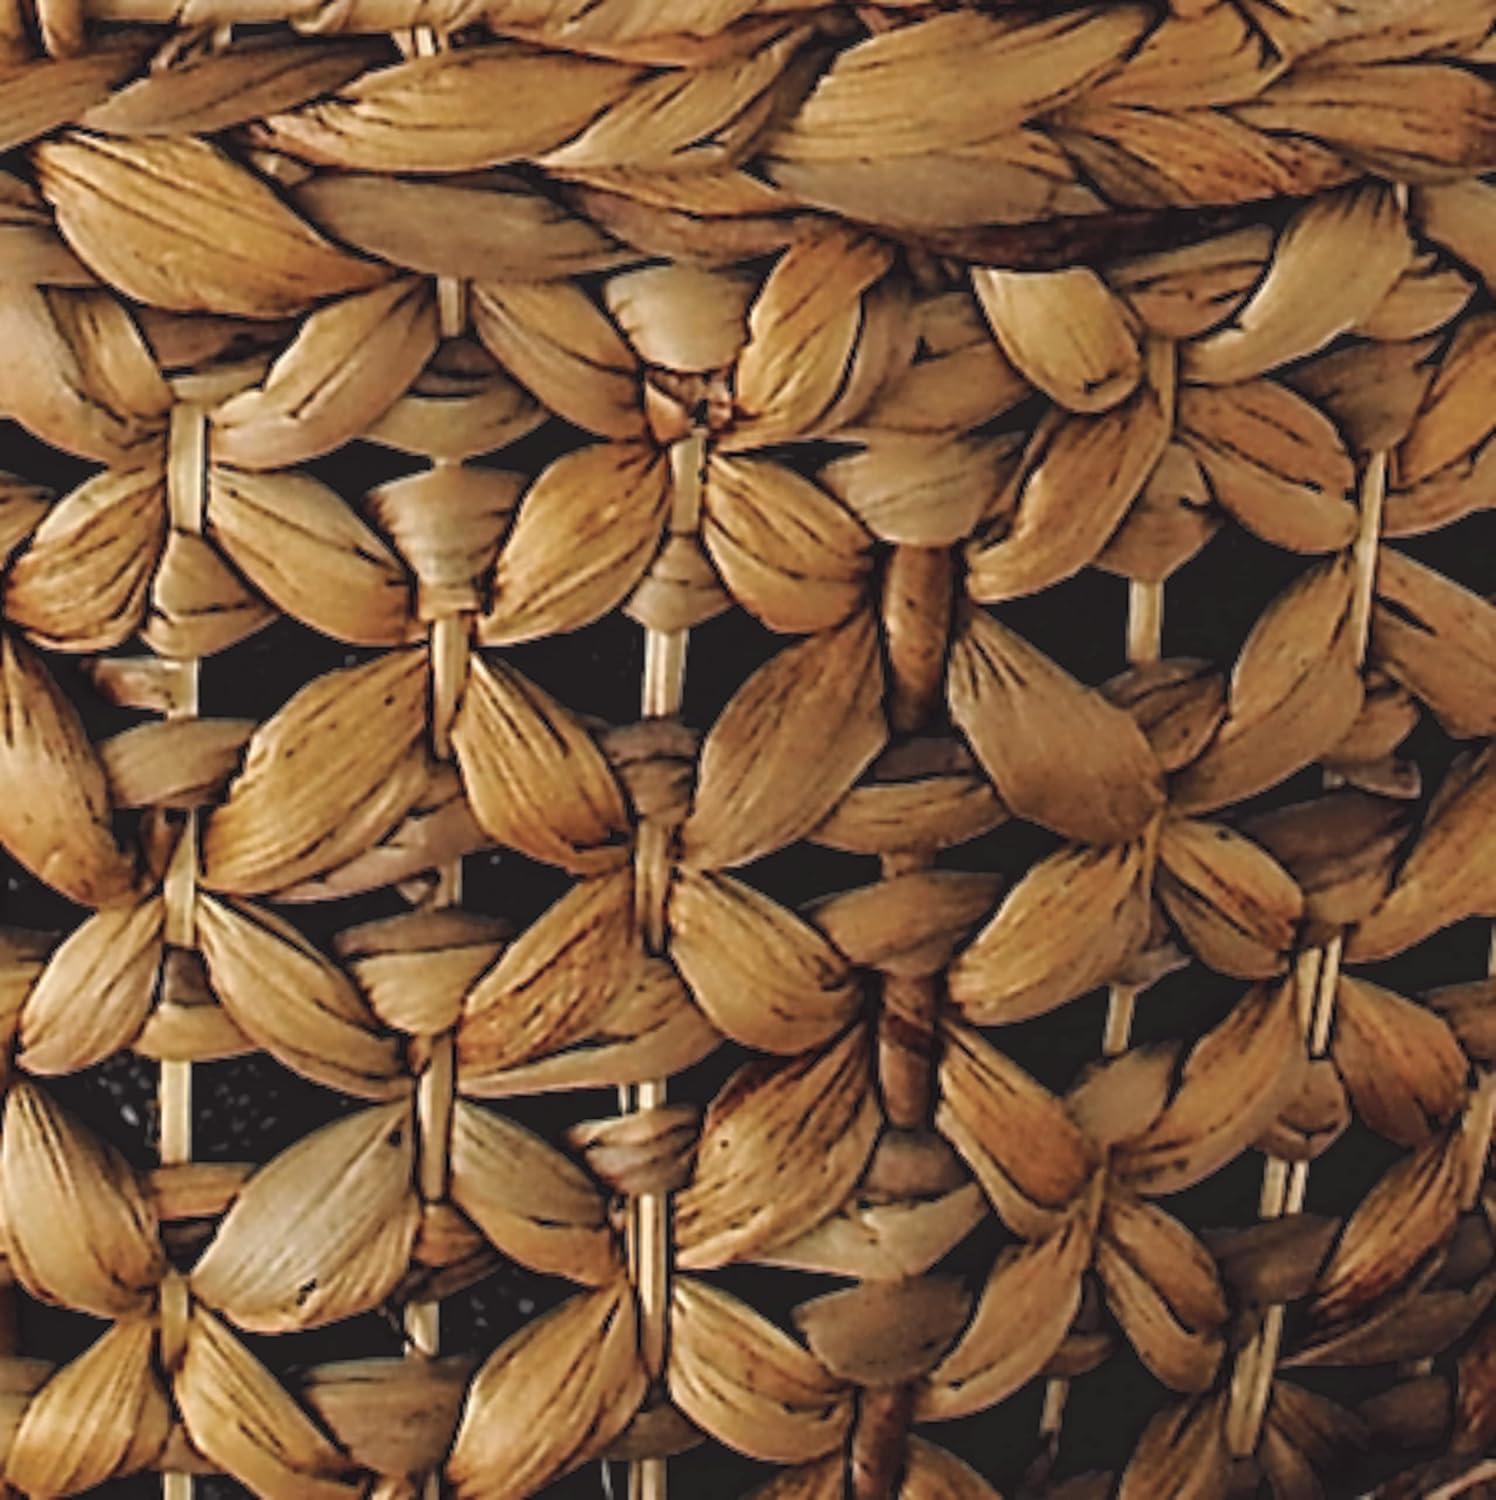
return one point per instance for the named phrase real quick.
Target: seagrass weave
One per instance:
(768, 727)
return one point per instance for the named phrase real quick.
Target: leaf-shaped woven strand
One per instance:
(786, 551)
(1439, 640)
(893, 95)
(1069, 925)
(535, 778)
(96, 991)
(1273, 461)
(1408, 1213)
(802, 333)
(747, 1383)
(1235, 1082)
(1295, 691)
(78, 374)
(1332, 266)
(492, 225)
(239, 1416)
(781, 1147)
(432, 114)
(81, 584)
(1182, 1454)
(199, 605)
(870, 1240)
(1402, 1065)
(1065, 332)
(346, 367)
(648, 1029)
(1017, 1138)
(287, 998)
(53, 1173)
(553, 1396)
(174, 223)
(535, 1204)
(201, 94)
(43, 94)
(1450, 873)
(931, 1473)
(1080, 474)
(1163, 1289)
(680, 316)
(1058, 752)
(304, 548)
(1413, 122)
(325, 779)
(1238, 909)
(585, 533)
(338, 1203)
(689, 120)
(575, 1003)
(1029, 1302)
(1452, 426)
(756, 792)
(60, 828)
(558, 344)
(763, 976)
(554, 980)
(100, 1417)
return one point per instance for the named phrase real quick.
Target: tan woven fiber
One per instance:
(1114, 1121)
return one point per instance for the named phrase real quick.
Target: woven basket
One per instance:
(964, 1027)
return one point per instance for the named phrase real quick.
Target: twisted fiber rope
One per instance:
(224, 258)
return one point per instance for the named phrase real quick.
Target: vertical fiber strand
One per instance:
(1316, 977)
(1145, 626)
(186, 484)
(648, 1228)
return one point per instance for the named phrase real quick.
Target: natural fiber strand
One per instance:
(952, 947)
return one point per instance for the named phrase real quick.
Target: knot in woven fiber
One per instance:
(656, 762)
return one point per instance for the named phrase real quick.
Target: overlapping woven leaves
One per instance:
(874, 324)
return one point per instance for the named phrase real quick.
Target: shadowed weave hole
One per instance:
(26, 901)
(594, 671)
(711, 1469)
(505, 883)
(140, 1487)
(723, 654)
(999, 1443)
(803, 873)
(55, 1334)
(1227, 1199)
(1079, 623)
(1010, 850)
(1461, 551)
(257, 677)
(1105, 1410)
(537, 450)
(371, 1335)
(1184, 1005)
(1055, 1048)
(219, 1487)
(116, 1101)
(1214, 600)
(24, 454)
(251, 1108)
(478, 1319)
(358, 467)
(1454, 955)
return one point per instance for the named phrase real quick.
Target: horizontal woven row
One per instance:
(876, 325)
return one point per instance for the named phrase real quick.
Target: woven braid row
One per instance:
(712, 248)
